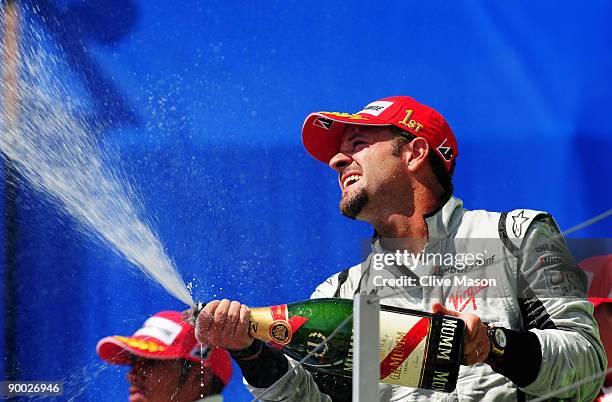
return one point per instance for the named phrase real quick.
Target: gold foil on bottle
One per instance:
(265, 327)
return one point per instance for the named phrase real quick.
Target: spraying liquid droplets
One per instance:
(49, 138)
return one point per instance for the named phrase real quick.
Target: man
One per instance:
(529, 328)
(168, 364)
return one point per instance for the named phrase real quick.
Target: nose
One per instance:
(134, 373)
(131, 375)
(340, 161)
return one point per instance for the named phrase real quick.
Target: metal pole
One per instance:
(366, 368)
(10, 114)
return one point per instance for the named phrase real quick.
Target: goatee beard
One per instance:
(351, 205)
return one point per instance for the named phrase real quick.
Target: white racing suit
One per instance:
(537, 287)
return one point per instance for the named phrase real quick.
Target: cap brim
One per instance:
(115, 351)
(322, 131)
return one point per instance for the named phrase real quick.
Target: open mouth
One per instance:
(136, 397)
(136, 394)
(350, 180)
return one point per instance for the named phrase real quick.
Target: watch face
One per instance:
(500, 337)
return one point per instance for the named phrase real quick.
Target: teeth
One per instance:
(350, 180)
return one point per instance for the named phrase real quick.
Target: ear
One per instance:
(418, 153)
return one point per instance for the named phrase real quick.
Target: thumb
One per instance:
(438, 308)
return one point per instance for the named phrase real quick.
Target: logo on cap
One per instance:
(323, 123)
(445, 152)
(376, 108)
(160, 328)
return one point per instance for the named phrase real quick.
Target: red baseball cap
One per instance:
(322, 131)
(165, 336)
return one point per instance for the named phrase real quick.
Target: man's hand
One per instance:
(476, 344)
(225, 324)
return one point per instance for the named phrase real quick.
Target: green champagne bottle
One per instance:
(416, 349)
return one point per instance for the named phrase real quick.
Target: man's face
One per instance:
(369, 174)
(160, 380)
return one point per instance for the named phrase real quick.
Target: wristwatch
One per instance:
(499, 342)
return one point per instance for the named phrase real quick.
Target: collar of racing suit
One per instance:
(440, 222)
(443, 221)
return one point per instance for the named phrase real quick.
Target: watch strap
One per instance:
(521, 359)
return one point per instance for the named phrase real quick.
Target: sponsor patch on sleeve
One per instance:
(560, 283)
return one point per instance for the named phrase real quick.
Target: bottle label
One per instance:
(445, 353)
(280, 332)
(403, 348)
(271, 324)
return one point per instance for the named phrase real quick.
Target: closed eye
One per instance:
(352, 145)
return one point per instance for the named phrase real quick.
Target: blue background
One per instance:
(205, 102)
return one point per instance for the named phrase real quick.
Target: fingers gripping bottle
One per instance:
(416, 349)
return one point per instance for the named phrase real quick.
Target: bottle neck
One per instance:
(271, 324)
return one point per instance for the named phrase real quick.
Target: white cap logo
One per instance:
(376, 108)
(160, 328)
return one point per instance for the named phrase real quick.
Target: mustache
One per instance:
(353, 166)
